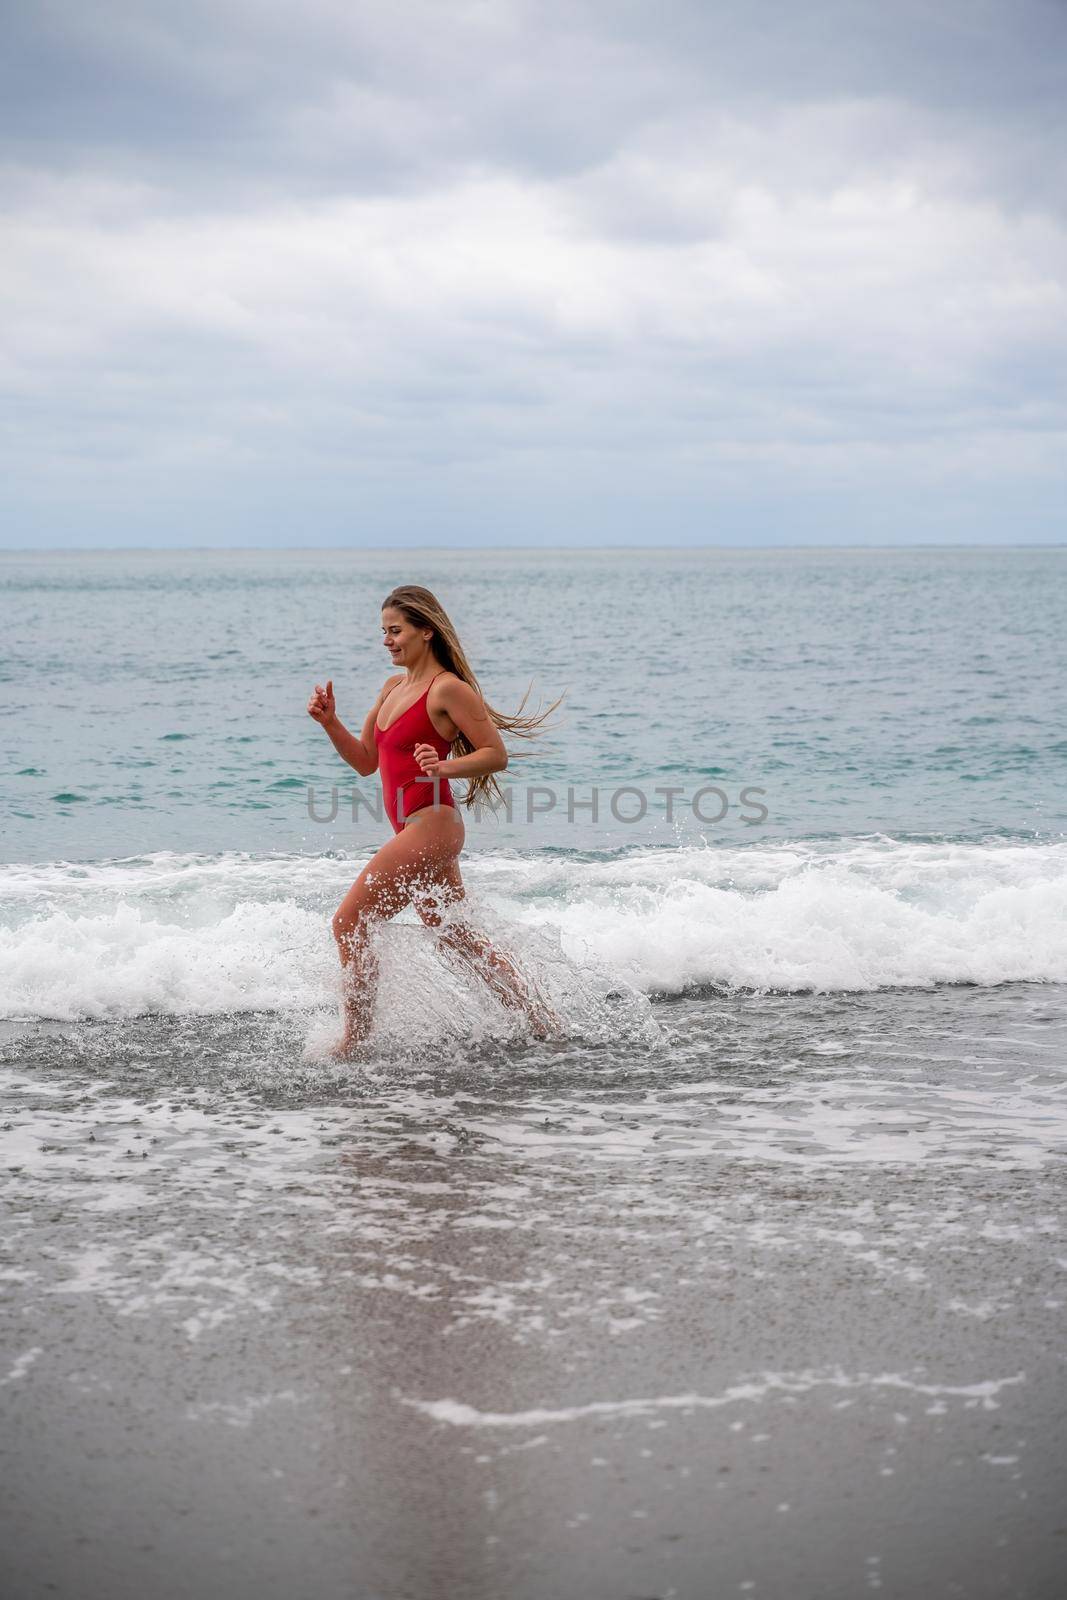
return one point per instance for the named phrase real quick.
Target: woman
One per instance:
(429, 709)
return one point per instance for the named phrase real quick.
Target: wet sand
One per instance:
(774, 1308)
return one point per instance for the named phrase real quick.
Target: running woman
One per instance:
(428, 725)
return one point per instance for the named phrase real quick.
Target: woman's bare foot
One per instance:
(355, 1031)
(544, 1023)
(516, 996)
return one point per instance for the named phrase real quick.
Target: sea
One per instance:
(637, 1309)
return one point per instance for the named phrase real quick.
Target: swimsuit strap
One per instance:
(413, 704)
(423, 695)
(428, 687)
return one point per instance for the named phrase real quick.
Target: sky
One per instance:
(581, 272)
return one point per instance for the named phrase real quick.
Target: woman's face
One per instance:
(403, 640)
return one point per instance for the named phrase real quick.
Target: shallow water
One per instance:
(776, 1280)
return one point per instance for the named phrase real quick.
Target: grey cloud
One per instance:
(340, 93)
(311, 272)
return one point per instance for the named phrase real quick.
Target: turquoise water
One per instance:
(865, 750)
(155, 701)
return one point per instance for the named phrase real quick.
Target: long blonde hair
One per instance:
(423, 610)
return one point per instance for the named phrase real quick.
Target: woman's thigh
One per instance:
(417, 863)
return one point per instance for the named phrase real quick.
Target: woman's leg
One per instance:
(475, 951)
(412, 858)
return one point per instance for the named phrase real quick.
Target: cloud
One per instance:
(509, 269)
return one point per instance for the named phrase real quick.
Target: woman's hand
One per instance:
(428, 760)
(321, 705)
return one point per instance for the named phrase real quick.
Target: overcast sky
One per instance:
(372, 272)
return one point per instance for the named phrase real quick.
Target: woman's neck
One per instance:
(426, 669)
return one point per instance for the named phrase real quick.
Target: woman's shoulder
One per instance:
(444, 682)
(390, 684)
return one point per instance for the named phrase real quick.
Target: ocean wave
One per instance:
(183, 934)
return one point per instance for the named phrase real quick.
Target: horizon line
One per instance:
(568, 549)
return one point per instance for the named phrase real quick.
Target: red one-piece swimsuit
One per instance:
(406, 787)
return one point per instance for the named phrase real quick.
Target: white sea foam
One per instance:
(983, 1393)
(21, 1366)
(194, 935)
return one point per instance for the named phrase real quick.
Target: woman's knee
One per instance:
(350, 926)
(433, 902)
(454, 935)
(431, 909)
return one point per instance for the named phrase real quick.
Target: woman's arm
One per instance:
(361, 753)
(467, 710)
